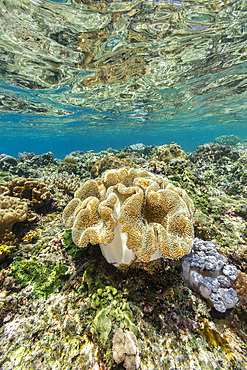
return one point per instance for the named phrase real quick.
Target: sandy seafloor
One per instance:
(60, 305)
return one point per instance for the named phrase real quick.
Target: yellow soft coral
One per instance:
(132, 214)
(5, 251)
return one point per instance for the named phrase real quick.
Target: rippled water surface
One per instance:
(93, 74)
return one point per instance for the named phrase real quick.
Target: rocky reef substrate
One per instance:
(65, 307)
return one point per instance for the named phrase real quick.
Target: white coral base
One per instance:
(117, 252)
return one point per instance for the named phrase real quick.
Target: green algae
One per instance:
(202, 202)
(111, 309)
(94, 280)
(102, 325)
(69, 245)
(45, 279)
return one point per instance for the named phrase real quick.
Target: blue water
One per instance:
(34, 139)
(91, 76)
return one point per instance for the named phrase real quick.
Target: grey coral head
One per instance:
(230, 271)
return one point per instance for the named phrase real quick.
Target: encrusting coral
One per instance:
(45, 278)
(133, 215)
(110, 307)
(11, 210)
(166, 152)
(241, 289)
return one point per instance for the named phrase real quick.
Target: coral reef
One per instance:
(11, 210)
(69, 183)
(111, 309)
(166, 153)
(27, 164)
(43, 160)
(216, 153)
(35, 192)
(132, 214)
(227, 140)
(68, 165)
(7, 163)
(140, 149)
(241, 288)
(25, 156)
(70, 317)
(111, 161)
(207, 272)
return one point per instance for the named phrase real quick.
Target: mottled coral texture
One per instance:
(134, 210)
(65, 181)
(241, 289)
(35, 192)
(166, 153)
(126, 349)
(11, 210)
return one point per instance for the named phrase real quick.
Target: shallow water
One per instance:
(81, 75)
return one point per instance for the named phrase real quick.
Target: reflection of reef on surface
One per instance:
(129, 52)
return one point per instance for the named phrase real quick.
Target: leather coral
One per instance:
(133, 215)
(11, 210)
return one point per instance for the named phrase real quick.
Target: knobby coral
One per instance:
(207, 272)
(8, 238)
(5, 251)
(133, 215)
(111, 161)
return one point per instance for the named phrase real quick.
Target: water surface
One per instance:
(92, 75)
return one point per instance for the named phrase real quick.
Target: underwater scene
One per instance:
(123, 185)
